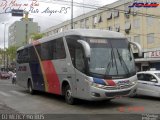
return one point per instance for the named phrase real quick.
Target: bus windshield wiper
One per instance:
(110, 63)
(122, 62)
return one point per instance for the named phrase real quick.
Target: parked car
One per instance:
(4, 75)
(148, 83)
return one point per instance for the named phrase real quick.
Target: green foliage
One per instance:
(36, 36)
(11, 52)
(1, 56)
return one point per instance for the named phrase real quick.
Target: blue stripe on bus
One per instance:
(99, 81)
(37, 76)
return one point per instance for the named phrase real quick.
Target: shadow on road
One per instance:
(142, 97)
(83, 103)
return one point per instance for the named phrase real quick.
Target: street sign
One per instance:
(16, 12)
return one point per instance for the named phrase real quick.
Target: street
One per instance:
(18, 100)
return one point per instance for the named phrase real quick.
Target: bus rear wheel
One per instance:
(30, 88)
(68, 95)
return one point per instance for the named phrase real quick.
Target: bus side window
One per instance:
(76, 53)
(19, 56)
(79, 59)
(60, 50)
(22, 56)
(72, 54)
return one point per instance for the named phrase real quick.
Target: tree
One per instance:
(1, 56)
(11, 52)
(11, 55)
(36, 36)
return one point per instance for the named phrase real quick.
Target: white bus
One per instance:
(84, 64)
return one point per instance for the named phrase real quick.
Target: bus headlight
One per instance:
(97, 85)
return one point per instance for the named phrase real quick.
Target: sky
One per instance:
(43, 12)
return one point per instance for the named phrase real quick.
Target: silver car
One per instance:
(148, 83)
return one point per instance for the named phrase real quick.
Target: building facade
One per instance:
(139, 24)
(20, 32)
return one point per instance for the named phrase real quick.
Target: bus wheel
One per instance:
(30, 87)
(68, 95)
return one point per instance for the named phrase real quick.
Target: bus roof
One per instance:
(94, 33)
(81, 32)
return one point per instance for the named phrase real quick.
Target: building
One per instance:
(20, 32)
(139, 24)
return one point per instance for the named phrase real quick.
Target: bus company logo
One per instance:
(123, 82)
(146, 4)
(22, 68)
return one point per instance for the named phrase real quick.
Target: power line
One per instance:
(104, 8)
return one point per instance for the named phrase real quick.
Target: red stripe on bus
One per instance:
(111, 82)
(52, 77)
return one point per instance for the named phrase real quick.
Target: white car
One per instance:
(148, 83)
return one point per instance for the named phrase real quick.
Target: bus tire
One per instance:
(68, 95)
(30, 88)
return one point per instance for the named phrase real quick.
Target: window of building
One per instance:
(116, 13)
(137, 39)
(150, 38)
(129, 38)
(82, 24)
(75, 25)
(150, 20)
(60, 30)
(136, 23)
(117, 28)
(109, 15)
(87, 23)
(127, 10)
(127, 26)
(109, 28)
(100, 19)
(94, 19)
(134, 11)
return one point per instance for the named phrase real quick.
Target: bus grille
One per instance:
(113, 94)
(116, 87)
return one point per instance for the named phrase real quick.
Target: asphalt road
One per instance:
(16, 99)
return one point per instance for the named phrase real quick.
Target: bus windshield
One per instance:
(111, 58)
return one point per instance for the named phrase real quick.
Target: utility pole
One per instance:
(4, 44)
(72, 14)
(26, 20)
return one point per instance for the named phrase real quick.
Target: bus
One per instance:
(89, 64)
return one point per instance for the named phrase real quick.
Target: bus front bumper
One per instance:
(103, 94)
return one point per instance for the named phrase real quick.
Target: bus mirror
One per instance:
(86, 47)
(138, 47)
